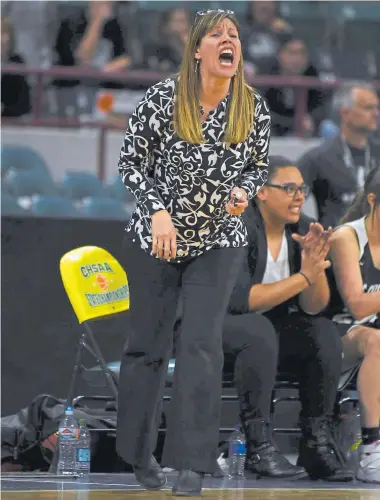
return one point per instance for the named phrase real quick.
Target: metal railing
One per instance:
(141, 80)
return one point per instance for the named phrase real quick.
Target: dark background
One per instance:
(39, 329)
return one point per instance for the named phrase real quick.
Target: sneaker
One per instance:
(369, 464)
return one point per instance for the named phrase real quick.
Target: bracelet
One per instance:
(306, 278)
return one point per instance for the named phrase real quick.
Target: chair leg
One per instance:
(77, 369)
(107, 372)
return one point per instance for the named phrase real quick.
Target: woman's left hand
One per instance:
(315, 235)
(238, 201)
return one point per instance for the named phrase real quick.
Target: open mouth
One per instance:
(226, 57)
(295, 210)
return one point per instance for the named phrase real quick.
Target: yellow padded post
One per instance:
(95, 283)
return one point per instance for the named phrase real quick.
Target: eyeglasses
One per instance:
(201, 13)
(291, 189)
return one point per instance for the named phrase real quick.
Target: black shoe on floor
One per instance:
(319, 454)
(188, 484)
(267, 461)
(151, 477)
(263, 458)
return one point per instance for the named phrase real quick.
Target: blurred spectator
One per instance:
(262, 32)
(15, 92)
(293, 60)
(91, 38)
(336, 169)
(166, 53)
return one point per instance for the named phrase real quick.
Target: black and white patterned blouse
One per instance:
(192, 182)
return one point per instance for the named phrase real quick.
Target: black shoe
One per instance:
(267, 461)
(263, 458)
(151, 477)
(188, 484)
(319, 453)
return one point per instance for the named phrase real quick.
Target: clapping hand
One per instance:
(316, 235)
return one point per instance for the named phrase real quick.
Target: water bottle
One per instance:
(83, 451)
(236, 454)
(68, 438)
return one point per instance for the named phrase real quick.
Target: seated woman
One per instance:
(355, 254)
(15, 91)
(283, 278)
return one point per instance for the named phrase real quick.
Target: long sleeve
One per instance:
(256, 173)
(143, 134)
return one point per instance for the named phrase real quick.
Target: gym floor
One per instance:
(123, 486)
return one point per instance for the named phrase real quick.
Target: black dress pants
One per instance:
(205, 283)
(307, 347)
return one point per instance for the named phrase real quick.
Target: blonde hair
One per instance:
(241, 109)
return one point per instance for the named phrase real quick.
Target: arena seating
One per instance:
(28, 188)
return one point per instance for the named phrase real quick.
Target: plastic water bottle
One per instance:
(83, 451)
(68, 438)
(236, 454)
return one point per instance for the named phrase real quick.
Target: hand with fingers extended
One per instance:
(164, 236)
(238, 201)
(313, 262)
(315, 234)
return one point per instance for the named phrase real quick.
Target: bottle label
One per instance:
(66, 433)
(83, 455)
(237, 449)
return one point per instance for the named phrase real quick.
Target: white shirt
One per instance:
(277, 270)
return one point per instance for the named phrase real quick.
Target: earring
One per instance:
(196, 65)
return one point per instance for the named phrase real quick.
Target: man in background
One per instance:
(336, 169)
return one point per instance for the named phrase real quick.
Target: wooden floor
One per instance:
(241, 494)
(123, 486)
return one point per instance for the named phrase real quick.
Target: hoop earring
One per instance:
(196, 66)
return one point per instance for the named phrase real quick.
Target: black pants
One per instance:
(305, 346)
(206, 284)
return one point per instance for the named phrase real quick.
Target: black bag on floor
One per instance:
(29, 438)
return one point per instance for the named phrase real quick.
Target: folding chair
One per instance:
(97, 287)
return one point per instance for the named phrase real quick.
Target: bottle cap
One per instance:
(69, 409)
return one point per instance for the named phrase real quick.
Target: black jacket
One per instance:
(282, 102)
(15, 92)
(324, 170)
(255, 260)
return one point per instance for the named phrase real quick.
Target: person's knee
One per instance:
(372, 346)
(252, 331)
(325, 337)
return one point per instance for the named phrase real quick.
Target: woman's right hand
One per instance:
(164, 236)
(313, 262)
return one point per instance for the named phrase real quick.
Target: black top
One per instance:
(165, 55)
(282, 101)
(15, 92)
(70, 34)
(370, 276)
(334, 182)
(255, 262)
(192, 181)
